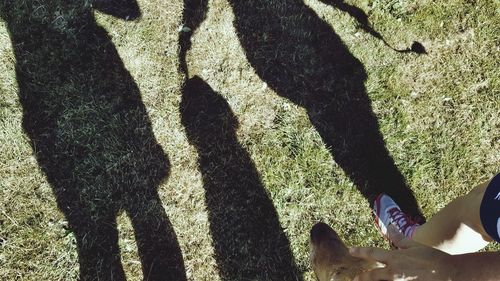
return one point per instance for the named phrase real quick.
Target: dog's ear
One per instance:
(330, 257)
(123, 9)
(327, 253)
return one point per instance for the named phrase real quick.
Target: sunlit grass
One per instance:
(438, 114)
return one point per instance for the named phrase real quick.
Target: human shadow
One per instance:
(248, 240)
(302, 59)
(92, 137)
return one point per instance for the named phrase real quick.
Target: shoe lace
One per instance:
(400, 220)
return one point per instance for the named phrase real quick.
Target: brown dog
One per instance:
(330, 257)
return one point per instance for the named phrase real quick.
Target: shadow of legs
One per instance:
(248, 239)
(97, 241)
(156, 240)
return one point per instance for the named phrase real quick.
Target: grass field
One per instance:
(203, 139)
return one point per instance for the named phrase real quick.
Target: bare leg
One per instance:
(457, 228)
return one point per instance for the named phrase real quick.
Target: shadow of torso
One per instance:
(92, 137)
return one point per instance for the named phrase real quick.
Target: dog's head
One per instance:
(330, 257)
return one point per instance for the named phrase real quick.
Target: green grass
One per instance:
(437, 113)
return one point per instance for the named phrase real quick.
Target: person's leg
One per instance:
(457, 228)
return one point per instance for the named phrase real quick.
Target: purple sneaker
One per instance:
(387, 212)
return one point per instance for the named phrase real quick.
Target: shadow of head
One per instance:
(123, 9)
(330, 257)
(204, 113)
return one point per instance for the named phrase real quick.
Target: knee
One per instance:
(472, 205)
